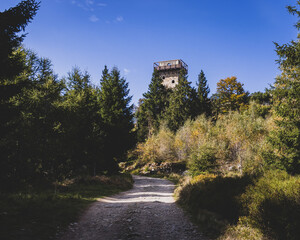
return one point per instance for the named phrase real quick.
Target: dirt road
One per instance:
(147, 211)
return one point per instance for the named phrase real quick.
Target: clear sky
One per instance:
(223, 37)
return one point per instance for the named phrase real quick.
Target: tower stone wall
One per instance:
(169, 71)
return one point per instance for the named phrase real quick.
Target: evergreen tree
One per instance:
(13, 82)
(29, 140)
(116, 112)
(40, 123)
(142, 121)
(181, 103)
(152, 106)
(83, 124)
(286, 102)
(264, 98)
(202, 99)
(13, 21)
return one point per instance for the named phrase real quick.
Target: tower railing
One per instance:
(181, 64)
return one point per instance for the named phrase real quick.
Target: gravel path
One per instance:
(147, 211)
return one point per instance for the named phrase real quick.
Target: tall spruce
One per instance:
(117, 114)
(13, 21)
(82, 124)
(151, 107)
(202, 99)
(13, 82)
(286, 102)
(181, 103)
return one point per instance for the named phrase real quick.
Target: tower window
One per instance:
(163, 77)
(173, 81)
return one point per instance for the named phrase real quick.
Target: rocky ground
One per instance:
(147, 211)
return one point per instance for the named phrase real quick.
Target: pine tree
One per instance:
(13, 81)
(29, 140)
(116, 112)
(286, 102)
(181, 103)
(13, 21)
(39, 122)
(202, 99)
(151, 107)
(83, 124)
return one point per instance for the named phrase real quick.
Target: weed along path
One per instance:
(147, 211)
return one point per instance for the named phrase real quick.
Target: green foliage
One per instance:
(151, 107)
(272, 205)
(41, 215)
(243, 231)
(13, 21)
(82, 125)
(202, 101)
(181, 103)
(55, 129)
(264, 98)
(28, 138)
(212, 200)
(263, 206)
(116, 112)
(157, 148)
(286, 138)
(202, 159)
(234, 143)
(262, 102)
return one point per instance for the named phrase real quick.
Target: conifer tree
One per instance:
(152, 106)
(29, 143)
(286, 102)
(82, 123)
(13, 21)
(181, 103)
(116, 112)
(202, 99)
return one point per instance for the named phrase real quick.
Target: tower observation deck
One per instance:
(169, 71)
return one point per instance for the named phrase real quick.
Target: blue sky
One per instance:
(223, 37)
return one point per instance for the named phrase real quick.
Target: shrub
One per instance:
(242, 231)
(157, 148)
(214, 193)
(202, 160)
(235, 142)
(273, 204)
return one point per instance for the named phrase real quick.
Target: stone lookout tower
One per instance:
(169, 71)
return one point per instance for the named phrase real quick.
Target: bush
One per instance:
(157, 148)
(273, 204)
(234, 143)
(242, 231)
(214, 193)
(202, 160)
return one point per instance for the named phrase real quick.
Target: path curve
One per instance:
(147, 211)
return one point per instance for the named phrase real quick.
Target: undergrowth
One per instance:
(243, 207)
(42, 215)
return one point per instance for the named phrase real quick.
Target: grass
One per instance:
(43, 215)
(173, 177)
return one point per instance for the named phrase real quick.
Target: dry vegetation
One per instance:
(228, 187)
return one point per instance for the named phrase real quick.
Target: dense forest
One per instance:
(51, 128)
(237, 154)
